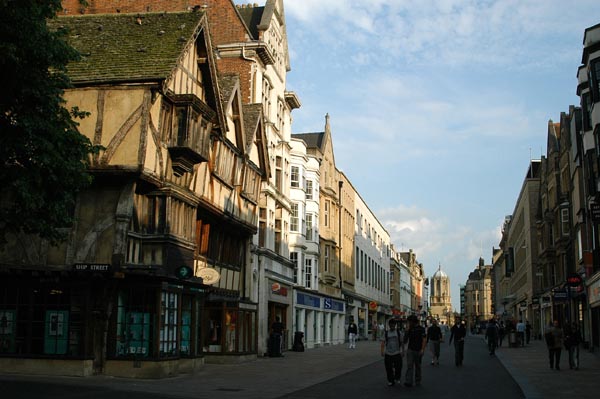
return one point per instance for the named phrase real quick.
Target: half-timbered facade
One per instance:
(152, 279)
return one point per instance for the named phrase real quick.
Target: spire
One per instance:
(327, 127)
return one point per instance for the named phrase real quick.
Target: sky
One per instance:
(436, 108)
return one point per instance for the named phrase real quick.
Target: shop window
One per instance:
(186, 325)
(134, 322)
(230, 330)
(168, 324)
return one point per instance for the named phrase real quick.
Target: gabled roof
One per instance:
(127, 47)
(252, 115)
(312, 140)
(252, 17)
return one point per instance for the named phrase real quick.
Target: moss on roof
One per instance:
(127, 47)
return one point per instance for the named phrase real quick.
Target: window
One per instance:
(309, 227)
(294, 259)
(326, 258)
(586, 110)
(168, 324)
(357, 263)
(595, 79)
(308, 273)
(295, 176)
(326, 214)
(564, 219)
(309, 189)
(278, 173)
(294, 218)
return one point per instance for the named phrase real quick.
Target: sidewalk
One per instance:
(530, 367)
(264, 378)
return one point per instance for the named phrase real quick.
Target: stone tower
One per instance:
(441, 305)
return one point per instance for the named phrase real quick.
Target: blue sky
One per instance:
(436, 108)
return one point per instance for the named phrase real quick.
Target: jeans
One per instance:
(435, 350)
(352, 340)
(574, 356)
(413, 366)
(459, 351)
(393, 367)
(554, 355)
(492, 342)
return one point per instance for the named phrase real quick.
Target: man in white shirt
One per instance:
(521, 332)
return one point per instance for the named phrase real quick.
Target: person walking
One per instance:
(501, 332)
(527, 331)
(392, 350)
(554, 341)
(491, 334)
(352, 334)
(276, 338)
(572, 340)
(434, 337)
(458, 332)
(521, 333)
(416, 339)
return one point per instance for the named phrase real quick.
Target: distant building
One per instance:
(440, 303)
(478, 295)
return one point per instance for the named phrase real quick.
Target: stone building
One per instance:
(478, 296)
(440, 302)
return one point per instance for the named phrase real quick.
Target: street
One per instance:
(334, 372)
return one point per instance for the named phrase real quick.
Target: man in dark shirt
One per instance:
(491, 334)
(417, 341)
(434, 337)
(458, 334)
(276, 334)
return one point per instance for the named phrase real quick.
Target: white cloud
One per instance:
(499, 32)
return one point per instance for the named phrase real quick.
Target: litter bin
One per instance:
(298, 342)
(513, 341)
(274, 345)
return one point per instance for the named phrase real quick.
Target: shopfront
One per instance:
(321, 319)
(594, 304)
(83, 323)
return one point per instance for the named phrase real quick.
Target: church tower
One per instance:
(441, 305)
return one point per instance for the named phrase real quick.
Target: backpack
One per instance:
(397, 337)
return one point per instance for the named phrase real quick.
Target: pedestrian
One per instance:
(416, 339)
(276, 337)
(554, 341)
(352, 333)
(491, 334)
(501, 332)
(521, 333)
(434, 337)
(572, 340)
(458, 332)
(392, 350)
(527, 331)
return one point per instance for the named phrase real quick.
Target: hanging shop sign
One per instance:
(574, 280)
(208, 275)
(184, 272)
(372, 305)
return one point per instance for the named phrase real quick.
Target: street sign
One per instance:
(184, 272)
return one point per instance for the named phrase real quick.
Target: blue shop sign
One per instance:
(308, 300)
(337, 305)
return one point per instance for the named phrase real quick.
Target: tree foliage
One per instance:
(43, 156)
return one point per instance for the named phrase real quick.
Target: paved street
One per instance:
(336, 371)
